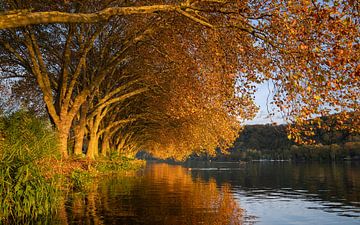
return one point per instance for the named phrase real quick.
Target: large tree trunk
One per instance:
(63, 134)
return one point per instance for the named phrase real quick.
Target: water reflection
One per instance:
(162, 194)
(292, 192)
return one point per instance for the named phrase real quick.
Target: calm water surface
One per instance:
(290, 193)
(222, 193)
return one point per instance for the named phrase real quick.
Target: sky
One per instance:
(263, 98)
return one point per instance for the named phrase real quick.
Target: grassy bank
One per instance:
(77, 173)
(33, 178)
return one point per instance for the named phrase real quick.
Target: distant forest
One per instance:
(270, 142)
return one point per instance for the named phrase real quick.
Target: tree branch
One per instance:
(20, 18)
(25, 18)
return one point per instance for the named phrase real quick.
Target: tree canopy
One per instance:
(174, 77)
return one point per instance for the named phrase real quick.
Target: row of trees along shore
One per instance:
(177, 77)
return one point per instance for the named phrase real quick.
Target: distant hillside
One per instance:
(263, 137)
(268, 141)
(268, 137)
(271, 142)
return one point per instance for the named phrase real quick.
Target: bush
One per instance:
(119, 164)
(25, 194)
(80, 179)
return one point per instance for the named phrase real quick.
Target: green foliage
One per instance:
(80, 179)
(118, 164)
(325, 152)
(25, 195)
(29, 189)
(31, 137)
(263, 137)
(114, 155)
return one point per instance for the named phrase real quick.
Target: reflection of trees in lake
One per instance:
(335, 182)
(163, 195)
(342, 180)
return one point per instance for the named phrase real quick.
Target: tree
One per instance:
(108, 101)
(58, 56)
(202, 59)
(317, 65)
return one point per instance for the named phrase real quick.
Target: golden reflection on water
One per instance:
(163, 194)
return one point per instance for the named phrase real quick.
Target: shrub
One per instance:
(80, 179)
(119, 164)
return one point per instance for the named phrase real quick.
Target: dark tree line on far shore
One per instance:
(271, 142)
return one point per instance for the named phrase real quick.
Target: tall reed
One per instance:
(25, 195)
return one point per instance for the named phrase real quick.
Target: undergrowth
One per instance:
(118, 163)
(25, 195)
(33, 177)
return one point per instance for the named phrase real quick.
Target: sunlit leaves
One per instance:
(203, 61)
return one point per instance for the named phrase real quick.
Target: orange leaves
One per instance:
(195, 99)
(317, 97)
(202, 80)
(303, 47)
(318, 60)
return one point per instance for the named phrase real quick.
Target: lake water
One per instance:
(222, 193)
(291, 193)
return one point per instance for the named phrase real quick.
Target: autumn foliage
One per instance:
(177, 77)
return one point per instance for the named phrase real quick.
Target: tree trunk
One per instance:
(79, 139)
(105, 145)
(120, 146)
(63, 134)
(80, 132)
(93, 147)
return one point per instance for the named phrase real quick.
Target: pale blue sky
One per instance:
(263, 98)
